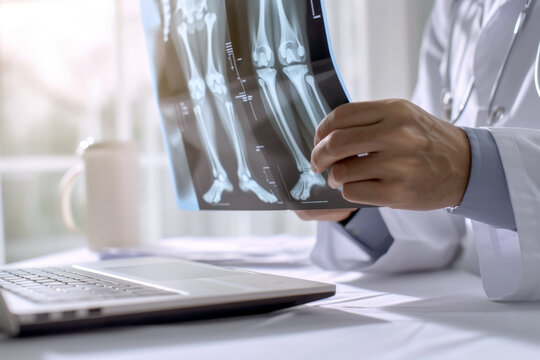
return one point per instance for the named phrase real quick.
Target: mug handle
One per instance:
(66, 188)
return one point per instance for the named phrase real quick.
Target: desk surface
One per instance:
(442, 315)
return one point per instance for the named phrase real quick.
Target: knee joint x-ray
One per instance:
(242, 86)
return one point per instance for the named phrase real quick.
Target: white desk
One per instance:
(440, 315)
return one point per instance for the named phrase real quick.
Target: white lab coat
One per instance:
(509, 261)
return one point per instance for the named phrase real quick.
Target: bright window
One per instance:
(72, 69)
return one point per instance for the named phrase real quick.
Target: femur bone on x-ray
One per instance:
(276, 47)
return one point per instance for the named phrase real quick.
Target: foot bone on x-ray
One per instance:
(308, 179)
(195, 12)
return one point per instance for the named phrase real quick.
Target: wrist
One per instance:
(463, 170)
(345, 221)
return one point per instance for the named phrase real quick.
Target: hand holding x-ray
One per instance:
(241, 86)
(324, 214)
(414, 160)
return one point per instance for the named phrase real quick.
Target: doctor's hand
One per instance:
(414, 161)
(335, 215)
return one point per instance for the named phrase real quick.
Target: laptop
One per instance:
(140, 290)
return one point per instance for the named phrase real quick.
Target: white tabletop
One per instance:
(442, 315)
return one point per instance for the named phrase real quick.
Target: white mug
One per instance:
(112, 193)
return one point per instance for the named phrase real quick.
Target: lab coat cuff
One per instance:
(355, 246)
(487, 198)
(336, 249)
(368, 229)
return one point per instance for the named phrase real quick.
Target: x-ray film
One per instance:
(241, 87)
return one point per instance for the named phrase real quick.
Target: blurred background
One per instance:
(70, 69)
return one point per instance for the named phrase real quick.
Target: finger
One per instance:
(370, 192)
(349, 115)
(354, 169)
(344, 143)
(324, 215)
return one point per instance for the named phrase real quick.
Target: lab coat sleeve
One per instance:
(487, 198)
(510, 260)
(421, 240)
(365, 236)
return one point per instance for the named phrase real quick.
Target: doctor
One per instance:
(458, 168)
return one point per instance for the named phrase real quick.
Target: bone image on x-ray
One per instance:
(292, 57)
(192, 27)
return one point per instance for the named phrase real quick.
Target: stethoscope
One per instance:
(495, 114)
(537, 71)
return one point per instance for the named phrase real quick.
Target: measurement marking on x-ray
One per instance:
(315, 16)
(269, 177)
(243, 94)
(182, 110)
(284, 183)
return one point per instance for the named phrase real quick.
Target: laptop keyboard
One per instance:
(51, 285)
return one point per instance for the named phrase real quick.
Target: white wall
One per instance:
(376, 44)
(2, 234)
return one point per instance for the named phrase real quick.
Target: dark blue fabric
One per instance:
(487, 198)
(368, 229)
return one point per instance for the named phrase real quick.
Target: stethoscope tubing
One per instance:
(537, 71)
(493, 113)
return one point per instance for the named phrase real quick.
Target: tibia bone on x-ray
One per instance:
(308, 179)
(198, 21)
(263, 59)
(216, 83)
(267, 81)
(298, 75)
(315, 95)
(221, 181)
